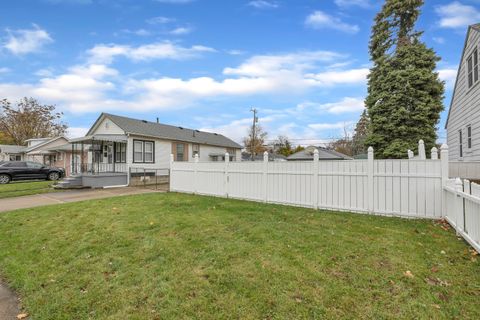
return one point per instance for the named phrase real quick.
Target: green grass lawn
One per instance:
(173, 256)
(25, 188)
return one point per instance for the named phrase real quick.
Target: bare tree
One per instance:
(29, 119)
(255, 140)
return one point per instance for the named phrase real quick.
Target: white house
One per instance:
(463, 122)
(116, 145)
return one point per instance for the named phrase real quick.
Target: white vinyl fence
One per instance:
(462, 209)
(410, 188)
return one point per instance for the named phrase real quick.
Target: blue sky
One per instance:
(204, 63)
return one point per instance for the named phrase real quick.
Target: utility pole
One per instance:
(254, 135)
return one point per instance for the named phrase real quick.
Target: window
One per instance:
(231, 152)
(148, 154)
(15, 157)
(143, 151)
(472, 68)
(460, 142)
(469, 137)
(120, 152)
(138, 151)
(195, 150)
(180, 151)
(34, 165)
(15, 164)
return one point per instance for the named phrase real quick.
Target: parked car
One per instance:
(28, 170)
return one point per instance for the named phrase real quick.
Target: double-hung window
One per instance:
(472, 68)
(469, 137)
(460, 143)
(180, 151)
(143, 151)
(120, 152)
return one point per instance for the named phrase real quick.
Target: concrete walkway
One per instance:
(38, 200)
(8, 303)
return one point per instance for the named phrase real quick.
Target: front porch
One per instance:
(98, 161)
(98, 155)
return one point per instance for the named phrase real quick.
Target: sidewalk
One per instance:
(8, 304)
(38, 200)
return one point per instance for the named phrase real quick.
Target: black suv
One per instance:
(28, 170)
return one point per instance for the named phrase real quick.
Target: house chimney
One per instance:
(158, 120)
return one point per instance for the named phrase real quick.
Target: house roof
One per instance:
(44, 142)
(323, 154)
(5, 148)
(475, 27)
(159, 130)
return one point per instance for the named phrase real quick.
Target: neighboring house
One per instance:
(463, 122)
(271, 157)
(37, 150)
(323, 154)
(12, 152)
(116, 145)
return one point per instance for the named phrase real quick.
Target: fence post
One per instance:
(171, 171)
(371, 187)
(410, 154)
(421, 150)
(225, 176)
(195, 174)
(459, 203)
(265, 176)
(434, 153)
(444, 163)
(316, 164)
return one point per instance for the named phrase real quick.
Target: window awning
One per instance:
(100, 137)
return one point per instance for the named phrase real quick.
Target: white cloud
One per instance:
(138, 32)
(329, 126)
(160, 20)
(103, 53)
(331, 78)
(4, 70)
(235, 52)
(25, 41)
(263, 4)
(449, 75)
(457, 15)
(88, 88)
(439, 40)
(352, 3)
(346, 105)
(321, 20)
(181, 31)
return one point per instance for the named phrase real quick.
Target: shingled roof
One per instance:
(164, 131)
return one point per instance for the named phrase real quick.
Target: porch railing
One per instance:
(96, 168)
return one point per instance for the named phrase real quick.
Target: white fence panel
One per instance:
(462, 201)
(388, 187)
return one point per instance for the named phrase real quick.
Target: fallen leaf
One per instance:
(408, 274)
(443, 252)
(22, 315)
(436, 306)
(434, 269)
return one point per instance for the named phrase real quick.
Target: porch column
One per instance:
(81, 161)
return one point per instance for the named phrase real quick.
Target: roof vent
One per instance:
(216, 134)
(180, 128)
(197, 130)
(144, 121)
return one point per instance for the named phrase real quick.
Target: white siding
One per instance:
(163, 149)
(465, 109)
(106, 126)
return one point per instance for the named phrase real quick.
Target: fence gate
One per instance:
(151, 178)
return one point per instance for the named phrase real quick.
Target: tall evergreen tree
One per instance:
(360, 134)
(404, 91)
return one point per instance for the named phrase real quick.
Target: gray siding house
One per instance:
(463, 122)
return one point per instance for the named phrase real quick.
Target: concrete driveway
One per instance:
(38, 200)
